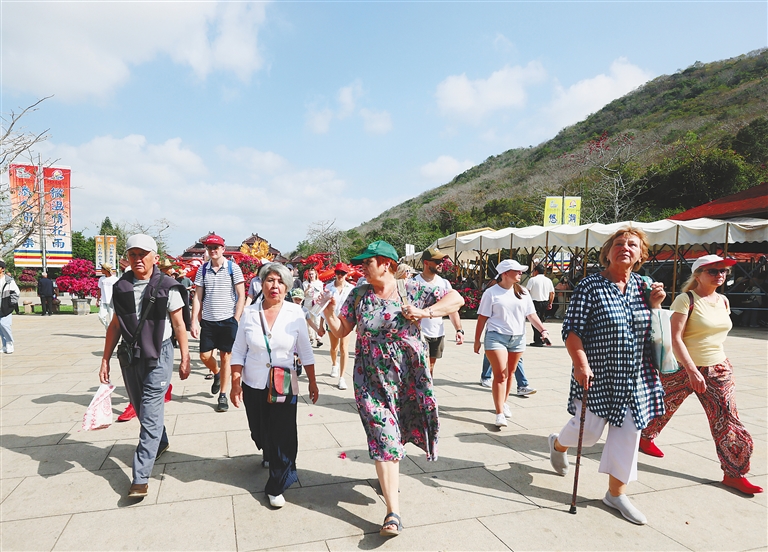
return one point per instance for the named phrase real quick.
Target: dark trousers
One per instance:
(541, 312)
(273, 429)
(47, 304)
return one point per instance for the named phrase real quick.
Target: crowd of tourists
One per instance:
(266, 338)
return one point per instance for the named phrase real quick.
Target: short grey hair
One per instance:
(281, 270)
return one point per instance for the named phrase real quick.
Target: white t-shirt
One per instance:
(288, 334)
(220, 297)
(255, 287)
(506, 313)
(433, 327)
(105, 287)
(312, 291)
(540, 287)
(175, 302)
(341, 296)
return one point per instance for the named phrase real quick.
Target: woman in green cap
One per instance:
(393, 387)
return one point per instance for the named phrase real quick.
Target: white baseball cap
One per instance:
(507, 265)
(141, 241)
(711, 259)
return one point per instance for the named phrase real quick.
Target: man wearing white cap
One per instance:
(146, 304)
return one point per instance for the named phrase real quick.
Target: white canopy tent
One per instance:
(662, 232)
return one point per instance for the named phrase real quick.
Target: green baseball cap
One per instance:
(378, 248)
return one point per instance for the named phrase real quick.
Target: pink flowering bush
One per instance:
(78, 277)
(471, 302)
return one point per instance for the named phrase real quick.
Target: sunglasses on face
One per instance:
(716, 271)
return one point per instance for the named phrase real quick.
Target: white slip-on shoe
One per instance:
(623, 505)
(559, 460)
(276, 501)
(486, 382)
(342, 384)
(501, 421)
(506, 411)
(9, 348)
(334, 371)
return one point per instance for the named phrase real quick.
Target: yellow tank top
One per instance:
(707, 328)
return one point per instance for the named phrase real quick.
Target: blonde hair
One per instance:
(622, 232)
(403, 271)
(691, 283)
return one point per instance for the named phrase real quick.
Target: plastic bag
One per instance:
(661, 342)
(98, 415)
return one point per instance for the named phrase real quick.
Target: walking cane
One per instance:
(578, 449)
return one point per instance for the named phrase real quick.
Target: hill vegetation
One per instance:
(676, 142)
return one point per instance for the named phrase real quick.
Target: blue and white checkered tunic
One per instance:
(615, 330)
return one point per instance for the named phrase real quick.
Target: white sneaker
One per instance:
(501, 421)
(527, 390)
(334, 371)
(627, 509)
(486, 382)
(506, 411)
(558, 460)
(276, 501)
(9, 348)
(342, 384)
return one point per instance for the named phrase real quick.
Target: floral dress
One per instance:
(393, 387)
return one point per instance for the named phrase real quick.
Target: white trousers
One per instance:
(105, 314)
(619, 457)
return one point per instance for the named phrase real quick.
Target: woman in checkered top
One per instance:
(607, 333)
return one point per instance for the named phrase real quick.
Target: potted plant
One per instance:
(78, 278)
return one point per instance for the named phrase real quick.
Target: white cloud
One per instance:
(376, 122)
(504, 89)
(319, 120)
(574, 103)
(86, 50)
(503, 44)
(443, 169)
(242, 191)
(347, 98)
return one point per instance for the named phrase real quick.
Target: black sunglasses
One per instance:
(717, 271)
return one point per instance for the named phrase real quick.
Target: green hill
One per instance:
(678, 141)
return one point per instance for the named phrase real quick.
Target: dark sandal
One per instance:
(391, 532)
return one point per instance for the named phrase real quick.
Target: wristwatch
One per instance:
(460, 331)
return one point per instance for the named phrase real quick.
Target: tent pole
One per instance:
(586, 255)
(674, 272)
(725, 245)
(546, 251)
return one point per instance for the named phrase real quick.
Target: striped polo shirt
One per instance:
(220, 297)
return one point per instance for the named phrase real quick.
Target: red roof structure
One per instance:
(748, 203)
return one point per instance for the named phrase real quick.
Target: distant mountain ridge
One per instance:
(683, 123)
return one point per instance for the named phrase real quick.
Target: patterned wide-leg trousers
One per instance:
(732, 440)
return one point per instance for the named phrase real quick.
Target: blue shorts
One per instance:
(495, 341)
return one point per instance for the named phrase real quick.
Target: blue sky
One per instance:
(244, 117)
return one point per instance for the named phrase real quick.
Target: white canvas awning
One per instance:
(662, 232)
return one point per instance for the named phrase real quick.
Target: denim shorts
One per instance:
(499, 341)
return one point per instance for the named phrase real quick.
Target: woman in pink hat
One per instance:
(698, 334)
(340, 289)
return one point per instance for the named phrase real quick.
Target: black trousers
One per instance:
(273, 429)
(541, 312)
(47, 304)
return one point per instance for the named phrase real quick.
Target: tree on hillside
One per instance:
(82, 247)
(323, 236)
(751, 142)
(612, 169)
(16, 145)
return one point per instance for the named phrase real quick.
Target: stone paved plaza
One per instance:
(491, 489)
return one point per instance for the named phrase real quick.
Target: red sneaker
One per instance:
(649, 447)
(741, 484)
(168, 393)
(128, 414)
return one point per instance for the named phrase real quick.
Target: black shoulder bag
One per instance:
(125, 354)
